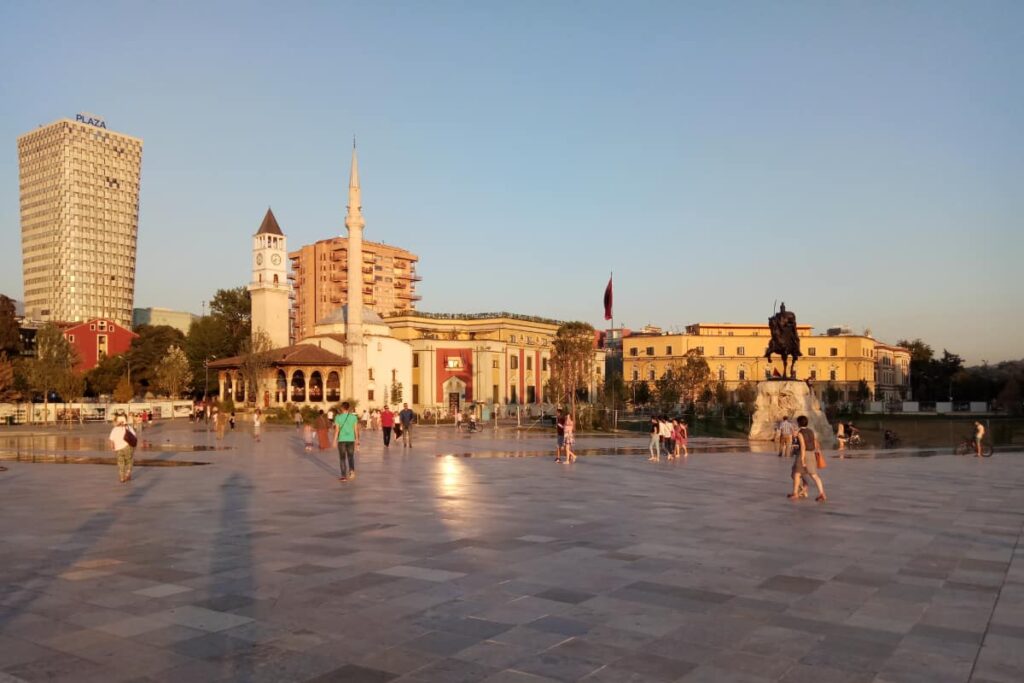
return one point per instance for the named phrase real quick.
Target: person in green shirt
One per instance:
(346, 433)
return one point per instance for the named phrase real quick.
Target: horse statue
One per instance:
(785, 341)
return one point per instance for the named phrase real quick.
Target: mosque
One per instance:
(446, 362)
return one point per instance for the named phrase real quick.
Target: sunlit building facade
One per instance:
(79, 187)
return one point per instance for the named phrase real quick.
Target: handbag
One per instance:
(819, 460)
(130, 438)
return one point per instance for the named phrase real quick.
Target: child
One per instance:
(307, 434)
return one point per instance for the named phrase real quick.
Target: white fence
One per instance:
(38, 413)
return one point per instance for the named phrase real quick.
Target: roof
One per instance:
(269, 225)
(340, 316)
(299, 354)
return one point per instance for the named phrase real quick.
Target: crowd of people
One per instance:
(670, 435)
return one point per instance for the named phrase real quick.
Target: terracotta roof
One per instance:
(269, 225)
(299, 354)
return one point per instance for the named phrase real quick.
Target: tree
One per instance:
(233, 307)
(694, 374)
(255, 360)
(614, 390)
(124, 391)
(863, 393)
(396, 393)
(572, 361)
(641, 393)
(1009, 397)
(148, 349)
(7, 387)
(746, 394)
(71, 387)
(102, 379)
(831, 394)
(721, 394)
(55, 358)
(208, 338)
(668, 389)
(173, 374)
(10, 334)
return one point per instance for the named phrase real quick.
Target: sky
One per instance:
(861, 161)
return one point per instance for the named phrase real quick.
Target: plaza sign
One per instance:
(90, 120)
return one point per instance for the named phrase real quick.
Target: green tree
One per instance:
(863, 393)
(572, 362)
(173, 374)
(668, 389)
(831, 394)
(124, 391)
(615, 390)
(148, 349)
(641, 393)
(233, 307)
(8, 392)
(746, 394)
(694, 374)
(1010, 397)
(254, 361)
(102, 379)
(721, 394)
(55, 359)
(71, 387)
(208, 338)
(10, 334)
(396, 393)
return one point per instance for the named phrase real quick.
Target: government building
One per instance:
(735, 354)
(79, 187)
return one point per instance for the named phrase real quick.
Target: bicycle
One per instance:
(966, 447)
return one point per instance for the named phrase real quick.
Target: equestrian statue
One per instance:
(785, 341)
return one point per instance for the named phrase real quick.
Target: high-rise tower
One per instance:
(79, 186)
(354, 320)
(270, 288)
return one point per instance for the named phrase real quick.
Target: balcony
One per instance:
(337, 256)
(368, 270)
(338, 277)
(335, 298)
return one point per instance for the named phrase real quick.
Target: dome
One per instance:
(339, 316)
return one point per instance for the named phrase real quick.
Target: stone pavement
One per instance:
(261, 566)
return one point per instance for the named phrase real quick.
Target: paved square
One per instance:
(473, 558)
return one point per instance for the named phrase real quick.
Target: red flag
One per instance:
(608, 300)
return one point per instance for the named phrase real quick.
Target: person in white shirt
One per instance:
(979, 434)
(786, 431)
(257, 423)
(120, 446)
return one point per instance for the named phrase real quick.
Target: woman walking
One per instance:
(805, 460)
(654, 446)
(570, 437)
(679, 434)
(322, 425)
(257, 424)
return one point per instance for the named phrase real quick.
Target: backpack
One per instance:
(130, 438)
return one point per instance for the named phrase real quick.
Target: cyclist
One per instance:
(979, 434)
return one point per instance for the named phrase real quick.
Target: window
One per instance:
(512, 339)
(700, 350)
(394, 376)
(544, 364)
(529, 365)
(633, 351)
(495, 363)
(650, 350)
(513, 362)
(415, 364)
(370, 374)
(650, 375)
(813, 375)
(741, 351)
(721, 350)
(833, 351)
(415, 394)
(811, 351)
(832, 375)
(369, 394)
(103, 325)
(721, 374)
(668, 350)
(71, 338)
(743, 374)
(453, 362)
(636, 375)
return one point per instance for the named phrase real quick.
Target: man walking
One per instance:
(406, 416)
(786, 432)
(346, 433)
(125, 451)
(387, 423)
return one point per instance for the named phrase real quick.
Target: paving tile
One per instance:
(423, 573)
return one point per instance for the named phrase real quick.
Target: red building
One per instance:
(97, 338)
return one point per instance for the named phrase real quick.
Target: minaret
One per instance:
(354, 322)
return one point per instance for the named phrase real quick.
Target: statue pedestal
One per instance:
(777, 399)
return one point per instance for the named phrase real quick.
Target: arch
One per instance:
(239, 389)
(229, 388)
(333, 392)
(316, 387)
(298, 387)
(275, 278)
(281, 388)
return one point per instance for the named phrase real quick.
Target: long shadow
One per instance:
(94, 528)
(231, 565)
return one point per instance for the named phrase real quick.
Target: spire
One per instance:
(354, 218)
(269, 225)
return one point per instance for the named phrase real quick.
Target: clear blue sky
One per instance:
(863, 161)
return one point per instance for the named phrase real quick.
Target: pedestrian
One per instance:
(307, 437)
(120, 437)
(678, 438)
(458, 420)
(654, 447)
(322, 425)
(979, 436)
(387, 423)
(665, 434)
(786, 432)
(805, 460)
(406, 417)
(559, 434)
(346, 433)
(375, 420)
(297, 416)
(570, 438)
(684, 430)
(257, 424)
(841, 435)
(231, 422)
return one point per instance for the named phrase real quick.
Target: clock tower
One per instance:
(270, 289)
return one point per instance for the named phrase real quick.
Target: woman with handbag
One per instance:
(807, 460)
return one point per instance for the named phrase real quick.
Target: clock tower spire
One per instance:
(270, 288)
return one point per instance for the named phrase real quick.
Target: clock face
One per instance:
(259, 259)
(276, 259)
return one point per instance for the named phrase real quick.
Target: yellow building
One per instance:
(735, 354)
(484, 358)
(79, 187)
